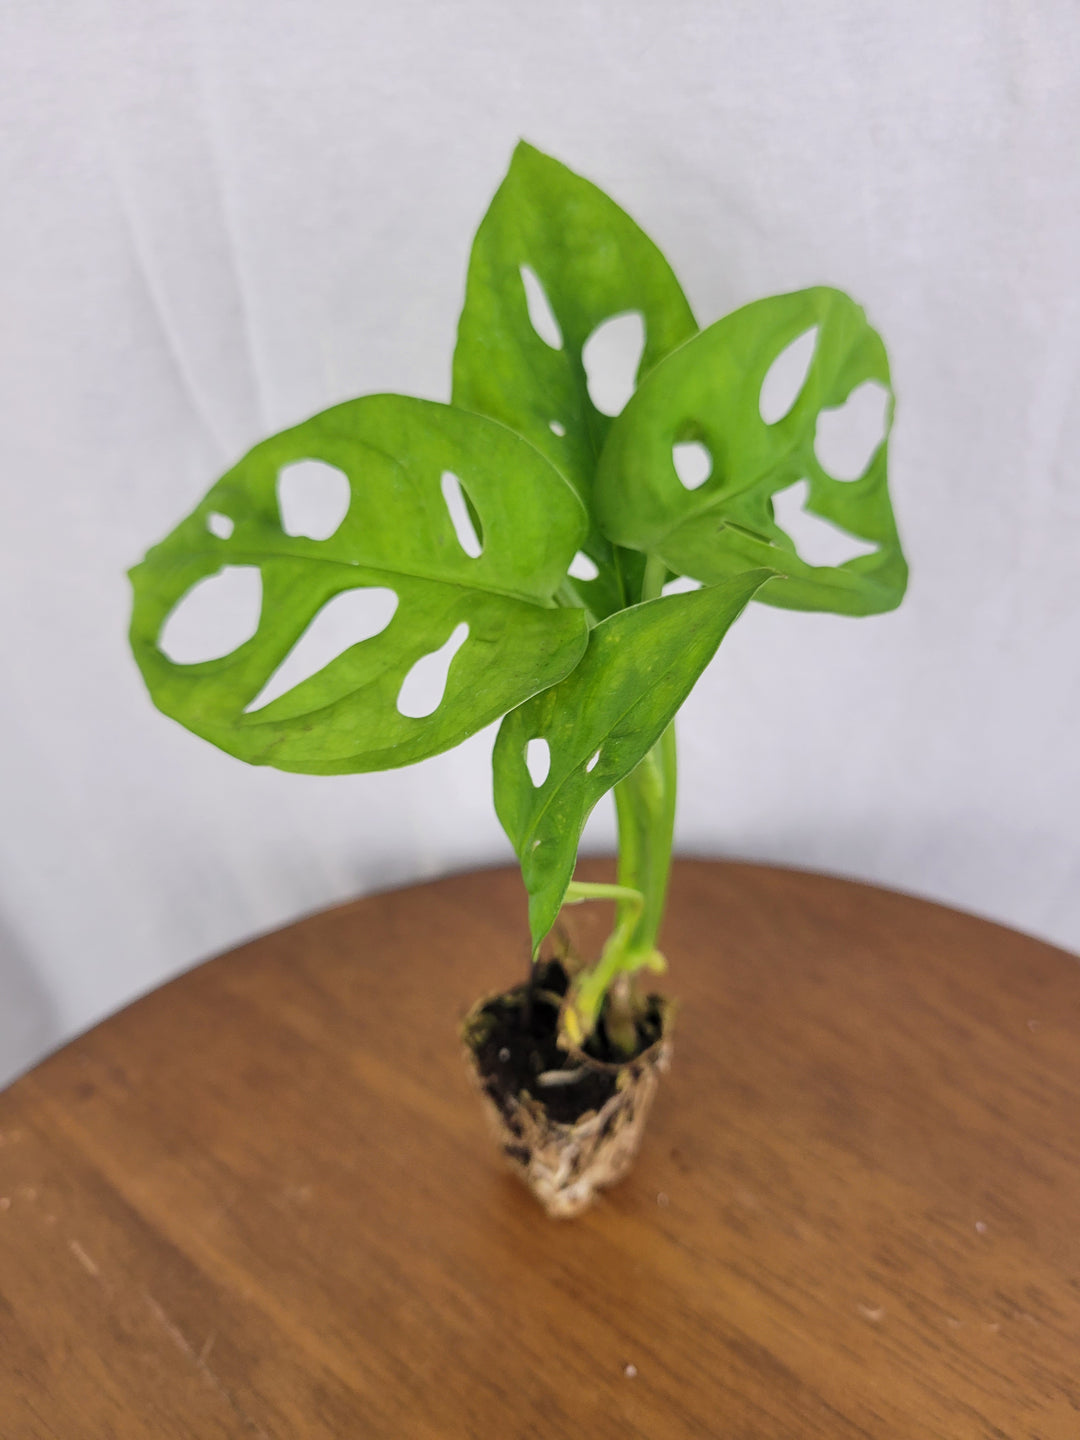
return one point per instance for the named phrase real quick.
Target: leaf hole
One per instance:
(582, 567)
(557, 428)
(681, 585)
(538, 761)
(847, 436)
(462, 520)
(611, 357)
(347, 620)
(219, 525)
(591, 766)
(693, 463)
(541, 315)
(817, 541)
(786, 377)
(424, 686)
(216, 616)
(313, 498)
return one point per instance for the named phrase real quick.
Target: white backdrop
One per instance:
(220, 215)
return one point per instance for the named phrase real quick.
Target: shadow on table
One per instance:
(29, 1023)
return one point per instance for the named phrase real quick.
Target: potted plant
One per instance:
(522, 542)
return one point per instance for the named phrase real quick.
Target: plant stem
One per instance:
(645, 804)
(645, 807)
(652, 582)
(579, 890)
(622, 1014)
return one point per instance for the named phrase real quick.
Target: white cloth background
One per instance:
(219, 216)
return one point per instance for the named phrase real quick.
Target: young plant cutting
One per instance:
(528, 540)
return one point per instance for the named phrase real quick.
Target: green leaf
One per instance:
(398, 535)
(592, 262)
(708, 392)
(598, 723)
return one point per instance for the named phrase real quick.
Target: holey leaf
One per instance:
(567, 303)
(598, 723)
(403, 466)
(706, 404)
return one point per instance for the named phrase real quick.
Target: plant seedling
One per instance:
(528, 534)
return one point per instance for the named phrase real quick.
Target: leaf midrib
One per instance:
(257, 560)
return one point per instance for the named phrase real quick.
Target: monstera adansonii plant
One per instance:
(569, 571)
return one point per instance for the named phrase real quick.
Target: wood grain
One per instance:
(262, 1201)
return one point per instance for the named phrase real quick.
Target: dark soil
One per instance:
(514, 1044)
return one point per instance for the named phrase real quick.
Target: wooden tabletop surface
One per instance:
(262, 1202)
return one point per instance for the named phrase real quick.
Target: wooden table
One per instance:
(262, 1201)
